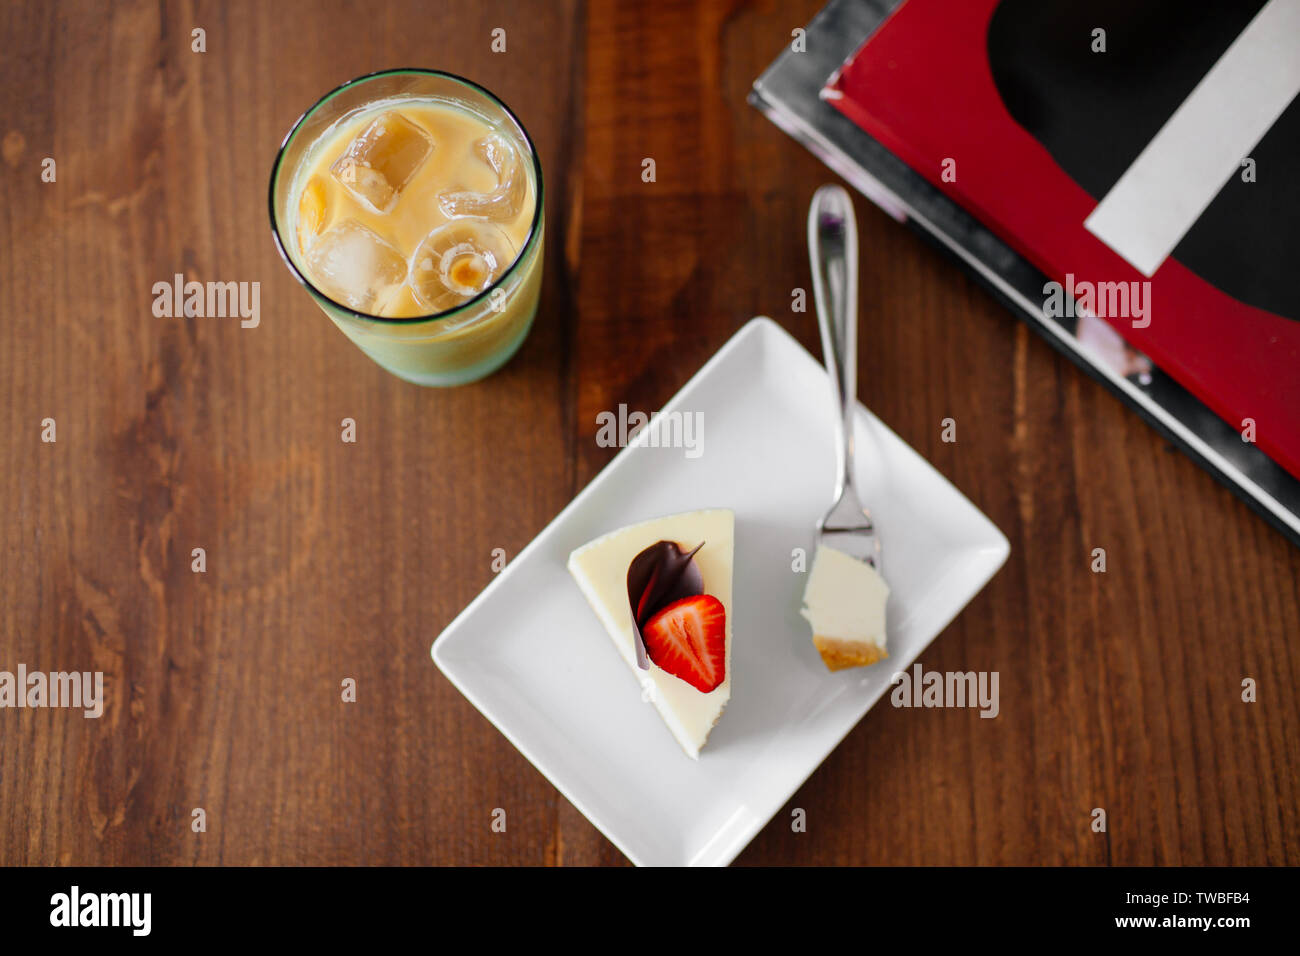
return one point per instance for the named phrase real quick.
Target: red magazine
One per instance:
(1092, 137)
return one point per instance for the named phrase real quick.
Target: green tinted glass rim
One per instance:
(534, 230)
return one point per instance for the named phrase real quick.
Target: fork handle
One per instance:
(833, 251)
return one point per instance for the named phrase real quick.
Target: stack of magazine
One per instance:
(1082, 165)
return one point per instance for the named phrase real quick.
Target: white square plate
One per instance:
(529, 653)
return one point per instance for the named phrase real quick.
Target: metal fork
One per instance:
(833, 251)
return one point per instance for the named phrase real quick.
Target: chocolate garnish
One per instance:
(658, 576)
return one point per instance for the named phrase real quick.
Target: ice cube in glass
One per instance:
(505, 201)
(382, 160)
(457, 261)
(354, 265)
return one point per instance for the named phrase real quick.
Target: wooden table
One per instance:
(328, 560)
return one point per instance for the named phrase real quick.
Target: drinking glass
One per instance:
(461, 344)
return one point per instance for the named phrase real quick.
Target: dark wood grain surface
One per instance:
(328, 560)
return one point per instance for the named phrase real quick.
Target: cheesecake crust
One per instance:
(838, 654)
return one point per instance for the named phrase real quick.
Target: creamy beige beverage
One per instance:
(409, 203)
(410, 208)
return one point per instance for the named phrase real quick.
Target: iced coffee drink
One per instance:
(409, 203)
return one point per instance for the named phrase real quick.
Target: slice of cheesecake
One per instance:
(844, 602)
(662, 590)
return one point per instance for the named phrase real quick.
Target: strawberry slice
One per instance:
(688, 639)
